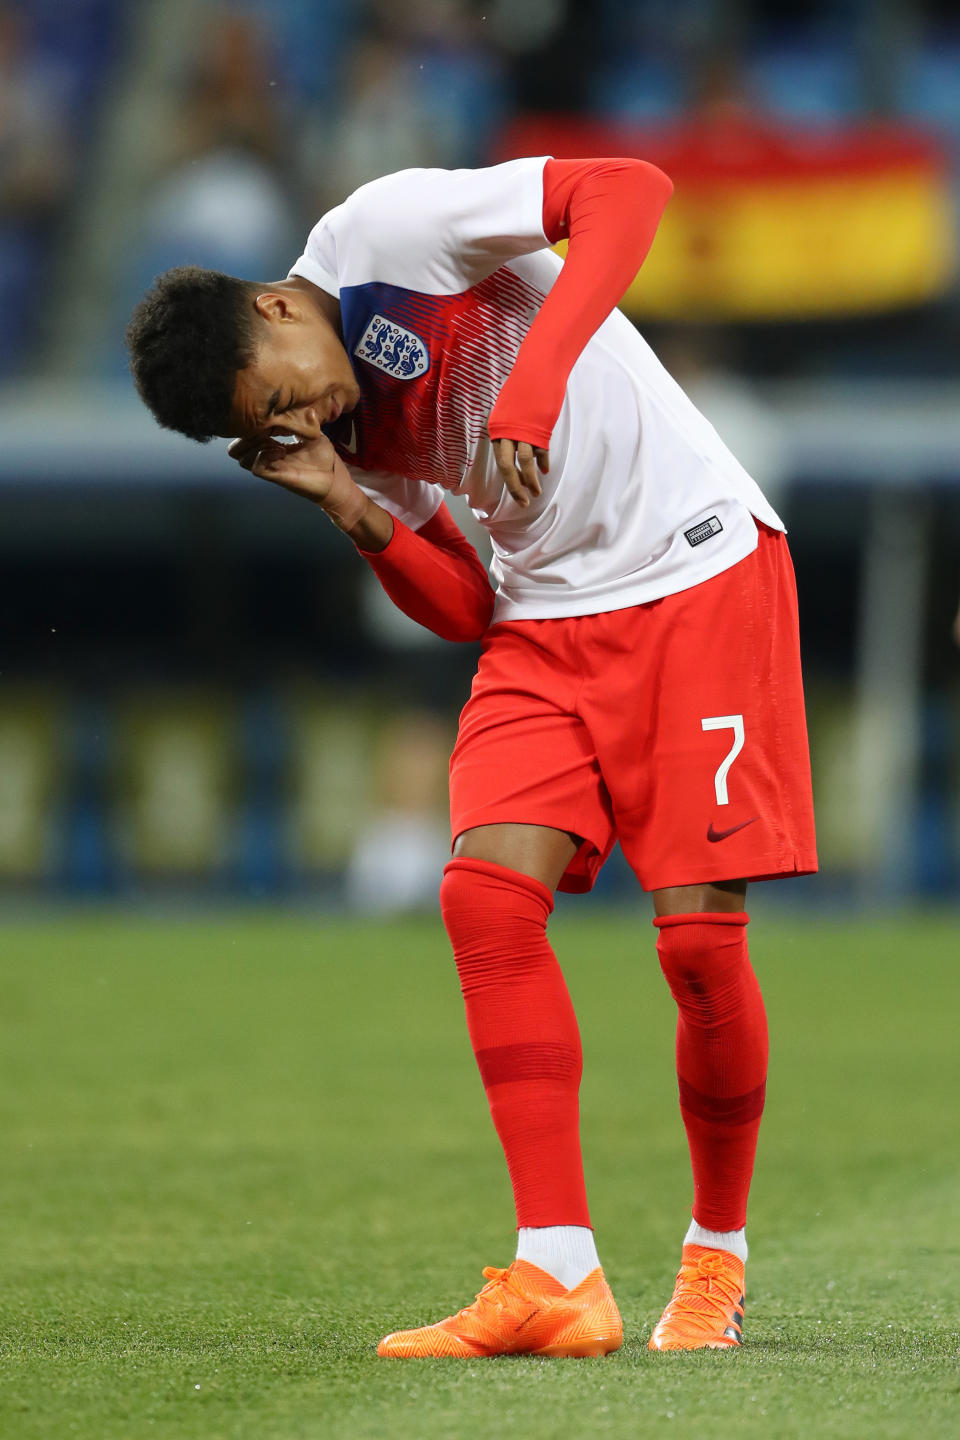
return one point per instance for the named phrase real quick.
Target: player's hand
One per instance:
(518, 464)
(311, 468)
(308, 467)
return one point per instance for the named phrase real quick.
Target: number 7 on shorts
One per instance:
(725, 722)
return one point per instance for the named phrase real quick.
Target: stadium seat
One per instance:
(811, 83)
(637, 90)
(930, 88)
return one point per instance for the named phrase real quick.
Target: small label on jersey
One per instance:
(392, 348)
(698, 533)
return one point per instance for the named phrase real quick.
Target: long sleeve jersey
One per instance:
(463, 327)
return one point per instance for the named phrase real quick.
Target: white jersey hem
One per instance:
(570, 603)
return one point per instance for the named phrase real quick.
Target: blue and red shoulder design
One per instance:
(430, 368)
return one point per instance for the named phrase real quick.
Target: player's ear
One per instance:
(274, 306)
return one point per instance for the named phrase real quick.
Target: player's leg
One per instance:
(721, 1057)
(496, 897)
(538, 851)
(521, 758)
(710, 783)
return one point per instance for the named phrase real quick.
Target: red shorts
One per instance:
(675, 727)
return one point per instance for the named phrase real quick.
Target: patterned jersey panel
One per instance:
(430, 368)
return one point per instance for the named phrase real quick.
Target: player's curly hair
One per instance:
(187, 338)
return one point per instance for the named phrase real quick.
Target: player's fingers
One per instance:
(543, 459)
(265, 467)
(528, 467)
(505, 452)
(272, 461)
(244, 450)
(278, 474)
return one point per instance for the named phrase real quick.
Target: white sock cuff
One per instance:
(567, 1252)
(733, 1240)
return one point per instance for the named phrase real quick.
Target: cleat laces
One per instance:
(501, 1294)
(706, 1295)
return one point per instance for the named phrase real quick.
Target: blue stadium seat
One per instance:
(930, 87)
(24, 249)
(807, 81)
(311, 37)
(638, 90)
(80, 41)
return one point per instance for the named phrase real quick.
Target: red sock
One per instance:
(524, 1033)
(721, 1057)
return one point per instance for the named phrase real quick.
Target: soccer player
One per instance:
(640, 675)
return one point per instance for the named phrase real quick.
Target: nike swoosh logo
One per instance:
(714, 835)
(350, 444)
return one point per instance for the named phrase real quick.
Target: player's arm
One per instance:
(435, 576)
(608, 211)
(432, 573)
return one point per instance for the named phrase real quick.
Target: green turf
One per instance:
(236, 1151)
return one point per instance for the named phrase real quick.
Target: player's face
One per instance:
(300, 378)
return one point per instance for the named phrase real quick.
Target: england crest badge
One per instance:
(392, 348)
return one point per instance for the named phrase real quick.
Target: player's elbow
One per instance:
(638, 190)
(467, 623)
(654, 183)
(638, 183)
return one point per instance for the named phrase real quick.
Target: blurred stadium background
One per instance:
(202, 694)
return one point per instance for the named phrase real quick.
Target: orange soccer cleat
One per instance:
(706, 1308)
(520, 1311)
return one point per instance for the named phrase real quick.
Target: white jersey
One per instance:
(439, 274)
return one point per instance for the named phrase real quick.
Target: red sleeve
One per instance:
(610, 209)
(435, 576)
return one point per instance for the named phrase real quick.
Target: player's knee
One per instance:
(703, 960)
(487, 908)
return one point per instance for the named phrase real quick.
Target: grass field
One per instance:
(235, 1151)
